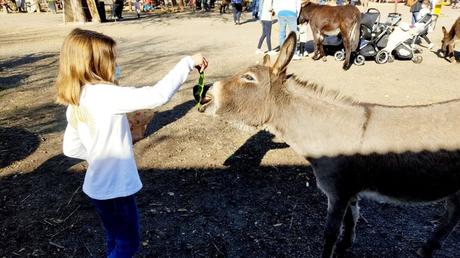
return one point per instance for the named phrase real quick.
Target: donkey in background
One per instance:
(407, 154)
(332, 20)
(449, 38)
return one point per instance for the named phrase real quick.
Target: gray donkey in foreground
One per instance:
(401, 153)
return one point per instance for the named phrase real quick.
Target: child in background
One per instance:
(302, 37)
(98, 131)
(426, 9)
(137, 7)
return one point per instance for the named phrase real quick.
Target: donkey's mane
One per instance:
(320, 92)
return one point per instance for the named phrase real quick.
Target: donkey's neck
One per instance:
(316, 122)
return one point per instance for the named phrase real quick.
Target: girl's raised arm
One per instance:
(119, 100)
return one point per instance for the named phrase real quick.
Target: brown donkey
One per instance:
(449, 38)
(407, 154)
(332, 20)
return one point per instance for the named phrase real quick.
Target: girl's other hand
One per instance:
(201, 63)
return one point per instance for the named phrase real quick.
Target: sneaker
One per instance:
(259, 51)
(296, 57)
(305, 54)
(430, 46)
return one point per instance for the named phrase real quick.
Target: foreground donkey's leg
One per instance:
(349, 227)
(337, 205)
(447, 223)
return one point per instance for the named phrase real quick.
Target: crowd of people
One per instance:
(287, 11)
(29, 6)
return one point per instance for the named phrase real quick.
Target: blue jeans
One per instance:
(237, 8)
(121, 222)
(286, 21)
(414, 17)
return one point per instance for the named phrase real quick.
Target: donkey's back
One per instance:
(403, 177)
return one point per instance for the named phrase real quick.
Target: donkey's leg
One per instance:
(321, 46)
(349, 227)
(347, 47)
(445, 227)
(318, 44)
(337, 205)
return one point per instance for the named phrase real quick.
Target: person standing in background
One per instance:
(237, 9)
(118, 7)
(287, 11)
(415, 9)
(255, 9)
(137, 7)
(265, 13)
(436, 11)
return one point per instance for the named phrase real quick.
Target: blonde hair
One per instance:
(87, 57)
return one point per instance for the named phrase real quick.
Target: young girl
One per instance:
(98, 131)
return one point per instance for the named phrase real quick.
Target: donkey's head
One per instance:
(250, 95)
(305, 12)
(447, 41)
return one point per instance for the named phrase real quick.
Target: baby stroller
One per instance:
(333, 44)
(374, 35)
(401, 42)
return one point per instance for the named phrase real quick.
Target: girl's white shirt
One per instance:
(98, 131)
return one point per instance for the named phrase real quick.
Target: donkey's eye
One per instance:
(248, 77)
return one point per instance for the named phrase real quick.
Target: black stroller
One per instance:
(374, 35)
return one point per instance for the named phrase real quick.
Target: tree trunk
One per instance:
(93, 10)
(73, 11)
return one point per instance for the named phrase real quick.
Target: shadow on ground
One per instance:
(244, 210)
(15, 71)
(16, 144)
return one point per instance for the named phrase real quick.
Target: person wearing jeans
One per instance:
(287, 11)
(237, 9)
(265, 15)
(415, 9)
(120, 218)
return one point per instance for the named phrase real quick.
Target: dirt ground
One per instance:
(210, 189)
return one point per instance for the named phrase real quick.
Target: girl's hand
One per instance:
(201, 63)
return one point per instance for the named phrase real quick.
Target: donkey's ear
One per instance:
(267, 60)
(444, 31)
(286, 53)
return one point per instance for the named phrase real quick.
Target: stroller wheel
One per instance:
(382, 57)
(339, 55)
(359, 60)
(417, 59)
(391, 59)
